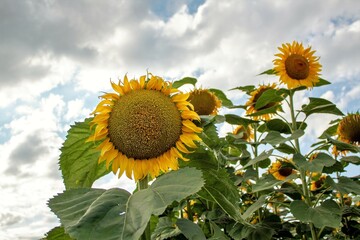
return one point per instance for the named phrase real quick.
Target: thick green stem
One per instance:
(305, 187)
(144, 184)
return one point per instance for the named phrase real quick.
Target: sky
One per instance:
(56, 57)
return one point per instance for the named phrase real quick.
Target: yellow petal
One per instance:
(117, 88)
(187, 114)
(135, 85)
(189, 124)
(130, 167)
(180, 146)
(180, 97)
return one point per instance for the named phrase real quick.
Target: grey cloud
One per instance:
(26, 153)
(7, 219)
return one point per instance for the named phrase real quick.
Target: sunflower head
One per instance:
(348, 131)
(297, 66)
(318, 183)
(246, 132)
(281, 169)
(144, 127)
(254, 96)
(204, 102)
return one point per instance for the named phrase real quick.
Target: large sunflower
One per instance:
(254, 96)
(204, 102)
(144, 127)
(297, 66)
(281, 169)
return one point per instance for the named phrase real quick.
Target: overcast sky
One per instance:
(57, 56)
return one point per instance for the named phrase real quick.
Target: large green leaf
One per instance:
(327, 214)
(91, 214)
(57, 233)
(248, 89)
(236, 120)
(344, 185)
(316, 165)
(173, 186)
(221, 95)
(263, 156)
(219, 188)
(275, 138)
(190, 230)
(268, 181)
(258, 204)
(342, 146)
(183, 81)
(320, 105)
(267, 97)
(78, 159)
(165, 229)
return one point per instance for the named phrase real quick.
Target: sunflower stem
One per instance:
(302, 171)
(255, 151)
(144, 184)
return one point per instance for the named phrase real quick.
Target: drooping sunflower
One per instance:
(348, 131)
(297, 66)
(247, 132)
(281, 169)
(204, 102)
(254, 96)
(144, 127)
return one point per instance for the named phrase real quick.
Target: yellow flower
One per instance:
(281, 169)
(204, 102)
(255, 95)
(297, 66)
(144, 127)
(247, 132)
(316, 185)
(348, 131)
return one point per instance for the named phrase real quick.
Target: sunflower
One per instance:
(297, 66)
(247, 132)
(318, 184)
(204, 102)
(348, 131)
(281, 169)
(254, 96)
(144, 127)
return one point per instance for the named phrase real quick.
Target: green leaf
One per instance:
(320, 105)
(257, 232)
(284, 148)
(57, 233)
(218, 233)
(268, 181)
(91, 214)
(342, 146)
(219, 188)
(165, 229)
(316, 165)
(322, 82)
(275, 138)
(330, 131)
(190, 230)
(327, 214)
(345, 185)
(221, 95)
(236, 120)
(351, 159)
(263, 156)
(79, 159)
(267, 97)
(172, 186)
(269, 72)
(278, 125)
(272, 109)
(183, 81)
(255, 206)
(248, 89)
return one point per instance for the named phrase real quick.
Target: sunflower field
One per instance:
(261, 181)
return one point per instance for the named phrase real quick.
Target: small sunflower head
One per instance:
(204, 102)
(281, 169)
(318, 184)
(348, 131)
(297, 66)
(254, 97)
(246, 132)
(144, 127)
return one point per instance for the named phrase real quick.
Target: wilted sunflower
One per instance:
(348, 131)
(246, 132)
(281, 169)
(204, 102)
(297, 66)
(255, 95)
(144, 127)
